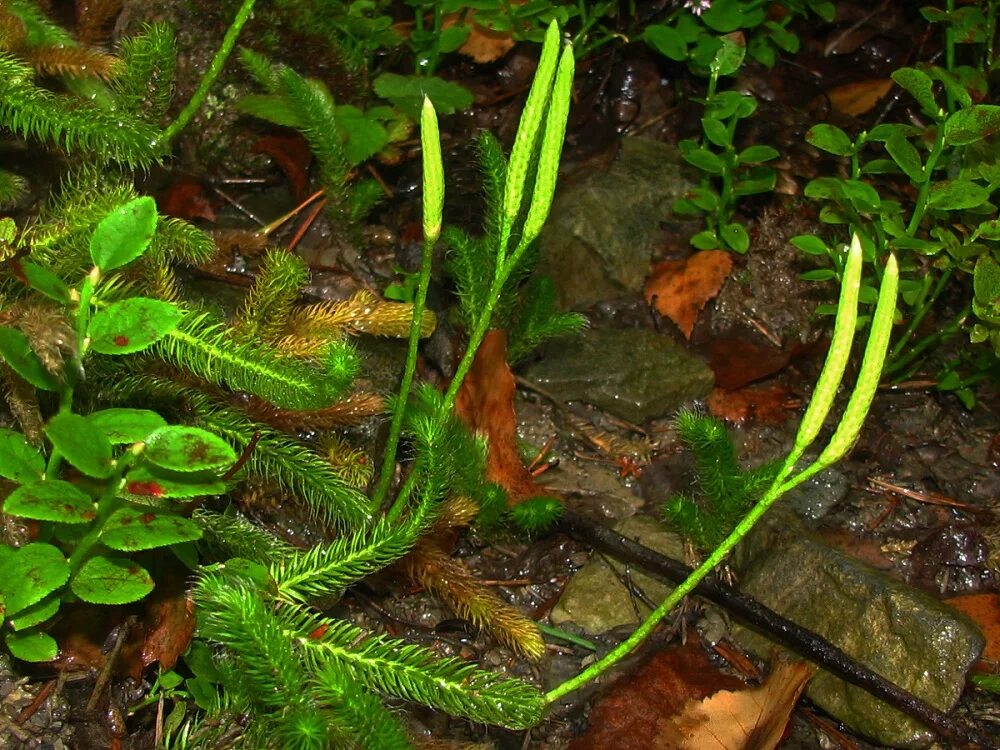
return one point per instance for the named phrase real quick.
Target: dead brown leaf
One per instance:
(771, 404)
(853, 99)
(985, 610)
(680, 701)
(485, 45)
(679, 289)
(486, 404)
(753, 719)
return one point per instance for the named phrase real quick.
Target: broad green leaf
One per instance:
(828, 188)
(986, 280)
(830, 138)
(124, 234)
(30, 574)
(706, 240)
(452, 38)
(111, 580)
(130, 530)
(724, 105)
(735, 237)
(905, 155)
(132, 325)
(862, 196)
(810, 244)
(17, 353)
(124, 426)
(704, 199)
(782, 37)
(80, 444)
(920, 86)
(149, 482)
(50, 500)
(756, 180)
(881, 166)
(820, 274)
(955, 195)
(917, 245)
(407, 93)
(702, 158)
(886, 130)
(757, 154)
(729, 56)
(724, 16)
(716, 131)
(180, 448)
(951, 84)
(666, 40)
(364, 136)
(989, 230)
(32, 646)
(972, 124)
(36, 613)
(684, 207)
(43, 280)
(19, 461)
(832, 215)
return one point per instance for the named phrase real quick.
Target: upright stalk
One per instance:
(214, 70)
(844, 436)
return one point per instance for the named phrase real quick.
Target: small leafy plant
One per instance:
(112, 481)
(737, 173)
(942, 223)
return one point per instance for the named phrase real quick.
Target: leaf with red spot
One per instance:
(50, 500)
(150, 481)
(111, 580)
(130, 529)
(180, 448)
(132, 325)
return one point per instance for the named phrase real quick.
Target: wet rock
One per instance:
(633, 374)
(896, 630)
(595, 597)
(812, 499)
(600, 235)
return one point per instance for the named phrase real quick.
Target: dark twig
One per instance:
(813, 647)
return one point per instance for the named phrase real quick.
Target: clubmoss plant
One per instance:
(786, 477)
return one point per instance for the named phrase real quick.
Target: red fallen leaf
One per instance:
(638, 706)
(739, 361)
(679, 289)
(680, 701)
(291, 153)
(984, 609)
(853, 99)
(753, 719)
(486, 404)
(771, 404)
(169, 624)
(186, 199)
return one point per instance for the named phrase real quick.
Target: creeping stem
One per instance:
(211, 75)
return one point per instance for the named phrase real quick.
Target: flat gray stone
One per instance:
(632, 373)
(595, 598)
(899, 632)
(602, 230)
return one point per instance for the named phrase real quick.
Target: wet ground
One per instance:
(917, 498)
